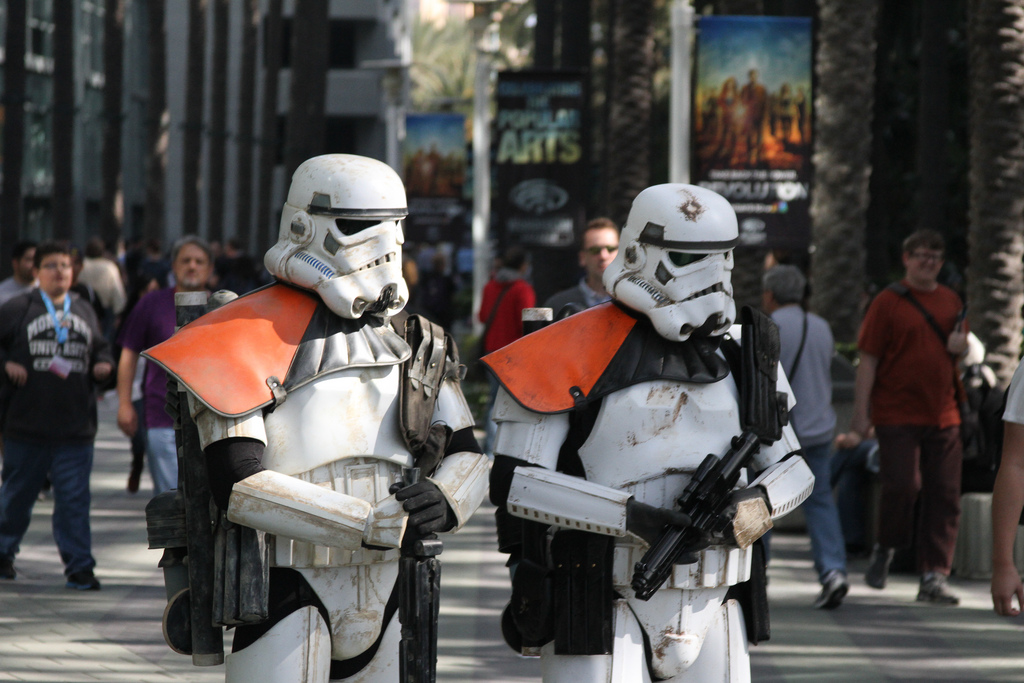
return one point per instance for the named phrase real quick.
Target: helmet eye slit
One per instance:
(350, 226)
(681, 258)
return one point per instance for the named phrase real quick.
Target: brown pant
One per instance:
(925, 462)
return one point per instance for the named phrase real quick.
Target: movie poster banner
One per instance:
(752, 124)
(539, 157)
(434, 162)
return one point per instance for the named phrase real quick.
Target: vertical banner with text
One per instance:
(540, 158)
(434, 163)
(752, 132)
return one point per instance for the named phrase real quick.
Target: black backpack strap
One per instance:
(799, 351)
(905, 292)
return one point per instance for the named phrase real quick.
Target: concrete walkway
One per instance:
(49, 633)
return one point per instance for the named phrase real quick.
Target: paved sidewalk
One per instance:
(49, 633)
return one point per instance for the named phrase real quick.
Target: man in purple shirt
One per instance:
(151, 322)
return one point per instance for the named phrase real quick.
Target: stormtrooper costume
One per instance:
(295, 390)
(635, 394)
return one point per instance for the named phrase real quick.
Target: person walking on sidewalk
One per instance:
(806, 355)
(504, 297)
(149, 323)
(52, 352)
(906, 387)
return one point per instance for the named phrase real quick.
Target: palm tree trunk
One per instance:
(306, 122)
(995, 283)
(842, 160)
(14, 131)
(193, 144)
(933, 113)
(157, 122)
(111, 205)
(247, 89)
(628, 136)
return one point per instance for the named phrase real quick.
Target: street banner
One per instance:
(752, 134)
(540, 196)
(434, 161)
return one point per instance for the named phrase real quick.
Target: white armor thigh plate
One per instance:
(355, 598)
(352, 412)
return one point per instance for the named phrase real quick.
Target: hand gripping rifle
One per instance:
(704, 500)
(419, 589)
(763, 412)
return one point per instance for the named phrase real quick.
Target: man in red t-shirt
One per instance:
(905, 387)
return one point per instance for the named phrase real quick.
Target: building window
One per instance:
(91, 33)
(40, 29)
(38, 134)
(342, 43)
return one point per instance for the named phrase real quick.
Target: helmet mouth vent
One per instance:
(386, 258)
(717, 287)
(658, 297)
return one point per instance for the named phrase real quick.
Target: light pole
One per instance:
(680, 100)
(485, 38)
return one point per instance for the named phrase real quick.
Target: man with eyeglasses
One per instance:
(909, 344)
(52, 352)
(598, 244)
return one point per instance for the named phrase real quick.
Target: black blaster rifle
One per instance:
(419, 592)
(762, 416)
(703, 499)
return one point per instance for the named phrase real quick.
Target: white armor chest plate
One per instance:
(345, 414)
(650, 437)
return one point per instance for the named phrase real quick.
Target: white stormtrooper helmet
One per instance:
(341, 237)
(675, 261)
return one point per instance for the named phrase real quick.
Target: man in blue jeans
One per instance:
(807, 350)
(52, 352)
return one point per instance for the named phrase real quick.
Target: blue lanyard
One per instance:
(62, 331)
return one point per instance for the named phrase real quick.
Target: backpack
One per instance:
(981, 429)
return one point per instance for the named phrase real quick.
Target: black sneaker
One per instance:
(84, 580)
(878, 571)
(833, 589)
(935, 590)
(7, 569)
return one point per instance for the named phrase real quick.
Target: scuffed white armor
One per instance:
(334, 450)
(647, 441)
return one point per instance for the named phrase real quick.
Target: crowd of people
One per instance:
(72, 325)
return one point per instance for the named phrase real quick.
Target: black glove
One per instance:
(428, 510)
(429, 450)
(647, 521)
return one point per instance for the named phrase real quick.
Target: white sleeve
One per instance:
(1015, 398)
(526, 435)
(213, 427)
(451, 407)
